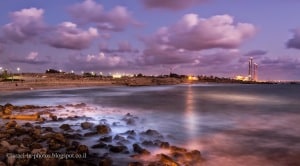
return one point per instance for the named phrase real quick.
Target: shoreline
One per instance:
(60, 131)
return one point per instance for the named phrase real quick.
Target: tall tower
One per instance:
(255, 71)
(250, 69)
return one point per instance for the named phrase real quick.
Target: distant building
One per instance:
(252, 72)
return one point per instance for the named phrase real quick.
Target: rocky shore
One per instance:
(58, 135)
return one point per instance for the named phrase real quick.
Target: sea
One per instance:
(231, 124)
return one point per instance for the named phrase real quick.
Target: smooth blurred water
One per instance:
(231, 124)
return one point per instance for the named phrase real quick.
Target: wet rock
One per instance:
(80, 105)
(2, 163)
(27, 141)
(166, 160)
(27, 124)
(59, 137)
(119, 138)
(65, 127)
(138, 149)
(73, 136)
(11, 124)
(177, 149)
(11, 131)
(86, 125)
(22, 161)
(103, 129)
(21, 150)
(36, 146)
(106, 139)
(193, 156)
(135, 164)
(82, 149)
(117, 149)
(7, 109)
(148, 143)
(164, 145)
(53, 145)
(88, 134)
(152, 133)
(39, 151)
(99, 145)
(54, 117)
(48, 129)
(48, 162)
(105, 161)
(60, 107)
(10, 160)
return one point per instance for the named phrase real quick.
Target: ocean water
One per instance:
(231, 124)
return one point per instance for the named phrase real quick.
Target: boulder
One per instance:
(105, 161)
(117, 149)
(11, 124)
(103, 129)
(135, 164)
(106, 139)
(82, 149)
(166, 160)
(140, 150)
(99, 145)
(86, 125)
(7, 109)
(65, 127)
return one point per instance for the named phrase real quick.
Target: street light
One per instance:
(18, 70)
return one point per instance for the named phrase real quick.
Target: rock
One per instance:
(21, 150)
(105, 161)
(48, 162)
(7, 109)
(54, 117)
(103, 129)
(80, 105)
(36, 146)
(119, 138)
(86, 125)
(117, 149)
(130, 132)
(106, 139)
(59, 137)
(148, 143)
(135, 164)
(23, 161)
(39, 151)
(152, 133)
(27, 124)
(82, 149)
(65, 127)
(177, 149)
(27, 141)
(11, 124)
(164, 145)
(2, 163)
(5, 144)
(99, 145)
(166, 160)
(11, 160)
(193, 156)
(53, 145)
(140, 150)
(88, 134)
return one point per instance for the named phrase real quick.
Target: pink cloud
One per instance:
(171, 5)
(26, 24)
(68, 35)
(90, 11)
(220, 31)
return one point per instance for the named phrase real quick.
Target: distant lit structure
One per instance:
(252, 72)
(193, 78)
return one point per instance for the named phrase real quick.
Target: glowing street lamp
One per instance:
(18, 69)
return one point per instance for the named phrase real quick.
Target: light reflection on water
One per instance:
(229, 124)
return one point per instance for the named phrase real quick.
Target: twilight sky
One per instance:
(210, 37)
